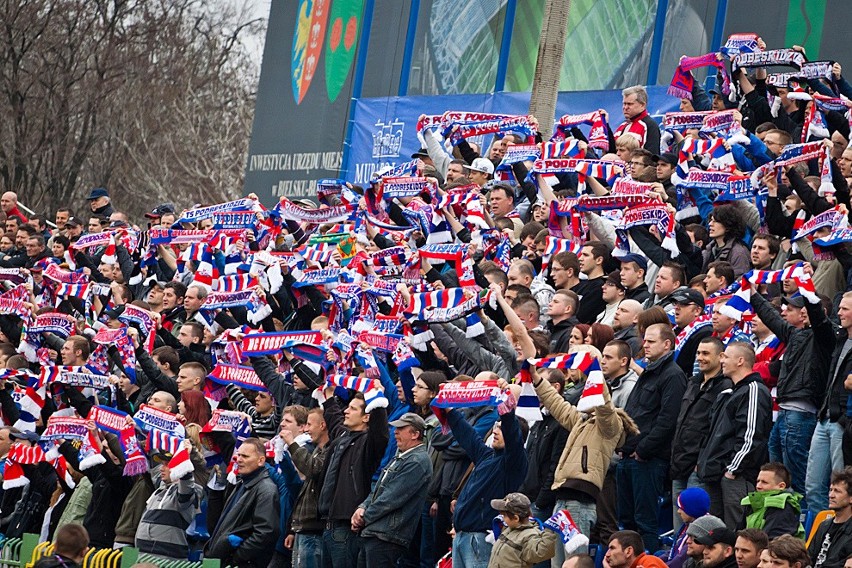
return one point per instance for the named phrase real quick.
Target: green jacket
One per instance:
(776, 512)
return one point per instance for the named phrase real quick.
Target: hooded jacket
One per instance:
(591, 442)
(738, 437)
(496, 473)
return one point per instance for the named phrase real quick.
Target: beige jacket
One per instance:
(591, 442)
(522, 547)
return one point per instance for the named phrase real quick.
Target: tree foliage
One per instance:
(152, 99)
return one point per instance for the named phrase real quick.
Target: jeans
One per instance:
(340, 547)
(789, 442)
(307, 551)
(470, 550)
(428, 558)
(584, 516)
(679, 485)
(640, 486)
(377, 552)
(826, 455)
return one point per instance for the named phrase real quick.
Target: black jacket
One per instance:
(692, 422)
(807, 355)
(839, 549)
(544, 447)
(640, 293)
(654, 405)
(352, 460)
(56, 561)
(560, 333)
(109, 487)
(251, 513)
(738, 437)
(834, 405)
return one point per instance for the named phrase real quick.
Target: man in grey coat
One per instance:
(387, 519)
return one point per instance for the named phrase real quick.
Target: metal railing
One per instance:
(30, 212)
(24, 552)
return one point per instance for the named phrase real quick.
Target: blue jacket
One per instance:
(396, 408)
(496, 472)
(392, 510)
(287, 480)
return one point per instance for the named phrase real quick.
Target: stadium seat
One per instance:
(818, 519)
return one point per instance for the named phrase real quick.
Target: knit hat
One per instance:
(19, 455)
(180, 464)
(694, 501)
(109, 256)
(703, 525)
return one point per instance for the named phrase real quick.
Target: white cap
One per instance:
(482, 165)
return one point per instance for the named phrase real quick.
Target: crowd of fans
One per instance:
(496, 356)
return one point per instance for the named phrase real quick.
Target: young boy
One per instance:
(692, 503)
(521, 543)
(773, 508)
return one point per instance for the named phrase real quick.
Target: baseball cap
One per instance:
(688, 296)
(515, 503)
(409, 419)
(29, 436)
(703, 525)
(481, 165)
(795, 301)
(721, 535)
(421, 153)
(160, 210)
(640, 260)
(668, 158)
(97, 193)
(74, 222)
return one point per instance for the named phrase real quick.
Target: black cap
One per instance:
(716, 536)
(421, 153)
(795, 301)
(669, 158)
(688, 296)
(160, 210)
(74, 222)
(614, 278)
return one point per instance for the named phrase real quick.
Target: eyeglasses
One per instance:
(639, 164)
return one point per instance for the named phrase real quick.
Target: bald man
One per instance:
(9, 204)
(738, 440)
(624, 324)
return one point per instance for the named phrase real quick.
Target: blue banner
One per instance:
(385, 129)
